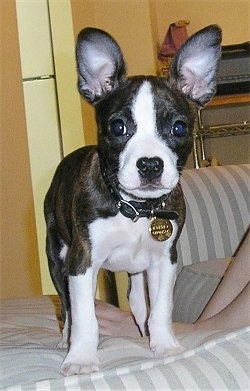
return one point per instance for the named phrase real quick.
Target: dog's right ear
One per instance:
(100, 63)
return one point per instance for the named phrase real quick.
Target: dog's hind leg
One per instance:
(137, 296)
(56, 252)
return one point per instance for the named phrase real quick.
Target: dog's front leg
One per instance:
(82, 356)
(161, 279)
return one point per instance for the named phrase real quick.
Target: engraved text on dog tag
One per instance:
(160, 229)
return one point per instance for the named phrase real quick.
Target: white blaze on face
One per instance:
(146, 143)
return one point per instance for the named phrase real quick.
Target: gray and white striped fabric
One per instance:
(30, 360)
(218, 212)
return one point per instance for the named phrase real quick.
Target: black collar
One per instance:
(137, 209)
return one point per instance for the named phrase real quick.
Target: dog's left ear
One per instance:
(194, 68)
(100, 62)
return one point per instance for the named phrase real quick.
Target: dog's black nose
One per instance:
(150, 168)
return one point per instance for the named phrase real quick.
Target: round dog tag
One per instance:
(160, 229)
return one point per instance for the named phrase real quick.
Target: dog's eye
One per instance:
(118, 128)
(179, 129)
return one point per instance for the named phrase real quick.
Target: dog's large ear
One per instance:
(100, 64)
(194, 68)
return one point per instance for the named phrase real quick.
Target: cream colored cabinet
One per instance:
(52, 103)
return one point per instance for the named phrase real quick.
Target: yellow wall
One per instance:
(232, 15)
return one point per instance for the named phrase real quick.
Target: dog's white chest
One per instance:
(118, 244)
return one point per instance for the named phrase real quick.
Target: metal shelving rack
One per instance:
(203, 131)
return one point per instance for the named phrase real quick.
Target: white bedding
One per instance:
(30, 359)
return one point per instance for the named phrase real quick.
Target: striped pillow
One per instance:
(195, 286)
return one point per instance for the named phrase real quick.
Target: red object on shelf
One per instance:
(175, 37)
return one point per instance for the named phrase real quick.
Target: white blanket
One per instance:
(30, 359)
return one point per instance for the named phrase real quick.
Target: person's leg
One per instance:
(235, 279)
(235, 315)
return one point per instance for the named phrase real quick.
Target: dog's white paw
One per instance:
(165, 344)
(76, 364)
(161, 350)
(64, 342)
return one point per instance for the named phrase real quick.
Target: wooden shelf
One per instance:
(229, 100)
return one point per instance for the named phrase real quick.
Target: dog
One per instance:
(119, 205)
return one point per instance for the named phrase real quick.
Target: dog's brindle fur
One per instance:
(137, 117)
